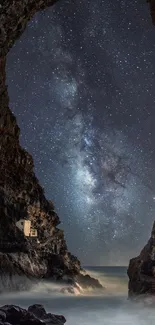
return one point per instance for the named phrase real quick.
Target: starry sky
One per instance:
(81, 81)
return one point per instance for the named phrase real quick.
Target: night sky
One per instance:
(81, 82)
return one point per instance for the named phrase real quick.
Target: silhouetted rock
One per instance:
(2, 316)
(152, 10)
(35, 315)
(23, 259)
(39, 311)
(141, 270)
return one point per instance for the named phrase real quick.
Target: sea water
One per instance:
(110, 308)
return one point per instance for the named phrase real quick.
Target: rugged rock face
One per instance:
(141, 270)
(21, 196)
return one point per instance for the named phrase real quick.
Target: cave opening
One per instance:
(72, 82)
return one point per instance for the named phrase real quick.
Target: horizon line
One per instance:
(105, 265)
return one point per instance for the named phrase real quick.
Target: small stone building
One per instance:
(25, 226)
(33, 232)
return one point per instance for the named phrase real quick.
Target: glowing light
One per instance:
(84, 176)
(89, 200)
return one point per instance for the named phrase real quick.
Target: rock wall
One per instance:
(141, 270)
(21, 195)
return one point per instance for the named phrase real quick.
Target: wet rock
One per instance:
(29, 319)
(35, 315)
(39, 311)
(86, 281)
(14, 314)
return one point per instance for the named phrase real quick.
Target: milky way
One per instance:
(81, 82)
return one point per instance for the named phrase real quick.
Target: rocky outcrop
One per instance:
(35, 315)
(21, 196)
(141, 270)
(152, 10)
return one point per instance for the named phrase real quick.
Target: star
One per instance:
(83, 94)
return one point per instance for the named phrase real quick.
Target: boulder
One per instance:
(39, 311)
(35, 315)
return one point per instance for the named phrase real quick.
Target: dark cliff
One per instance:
(21, 196)
(141, 269)
(152, 10)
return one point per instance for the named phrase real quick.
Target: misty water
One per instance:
(110, 308)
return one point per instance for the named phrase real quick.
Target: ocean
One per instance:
(110, 308)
